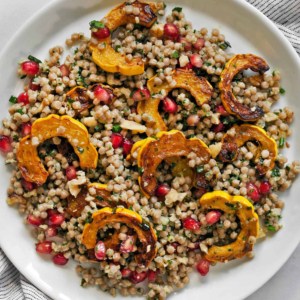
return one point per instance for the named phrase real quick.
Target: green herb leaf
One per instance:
(282, 91)
(20, 111)
(140, 170)
(89, 218)
(13, 99)
(81, 150)
(275, 172)
(178, 9)
(271, 228)
(281, 142)
(117, 48)
(199, 169)
(15, 138)
(116, 128)
(224, 45)
(231, 205)
(96, 24)
(175, 54)
(32, 58)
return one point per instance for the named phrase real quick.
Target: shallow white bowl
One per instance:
(248, 32)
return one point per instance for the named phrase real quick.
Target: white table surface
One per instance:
(285, 284)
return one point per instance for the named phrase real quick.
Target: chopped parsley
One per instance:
(282, 91)
(117, 48)
(96, 24)
(199, 169)
(224, 45)
(141, 170)
(175, 54)
(13, 99)
(271, 228)
(281, 142)
(276, 172)
(20, 111)
(32, 58)
(116, 128)
(15, 138)
(89, 218)
(81, 150)
(178, 9)
(231, 205)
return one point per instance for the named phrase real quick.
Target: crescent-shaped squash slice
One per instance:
(232, 141)
(168, 144)
(235, 65)
(110, 60)
(144, 231)
(43, 129)
(79, 93)
(244, 210)
(199, 87)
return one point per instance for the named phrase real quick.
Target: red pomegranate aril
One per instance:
(162, 190)
(196, 60)
(213, 217)
(101, 33)
(100, 251)
(117, 140)
(203, 266)
(59, 259)
(169, 105)
(218, 128)
(102, 94)
(51, 231)
(65, 71)
(127, 245)
(71, 173)
(33, 220)
(253, 192)
(126, 273)
(56, 219)
(51, 212)
(188, 66)
(127, 145)
(265, 187)
(193, 120)
(43, 247)
(23, 98)
(5, 144)
(171, 31)
(30, 68)
(199, 44)
(152, 275)
(25, 129)
(187, 45)
(191, 224)
(28, 186)
(141, 94)
(221, 110)
(138, 277)
(175, 245)
(34, 86)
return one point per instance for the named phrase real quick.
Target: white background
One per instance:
(284, 285)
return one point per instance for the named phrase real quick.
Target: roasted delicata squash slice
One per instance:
(109, 59)
(237, 136)
(249, 222)
(144, 231)
(235, 65)
(79, 93)
(43, 129)
(199, 87)
(167, 145)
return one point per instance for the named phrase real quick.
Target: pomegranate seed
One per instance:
(265, 187)
(127, 245)
(51, 231)
(71, 173)
(126, 273)
(30, 68)
(218, 128)
(188, 66)
(59, 259)
(196, 60)
(162, 190)
(193, 120)
(171, 31)
(51, 212)
(141, 94)
(187, 45)
(33, 220)
(25, 129)
(152, 275)
(43, 247)
(213, 217)
(23, 98)
(221, 110)
(127, 145)
(252, 192)
(65, 71)
(191, 224)
(101, 33)
(199, 44)
(28, 186)
(56, 219)
(175, 245)
(117, 140)
(102, 94)
(138, 277)
(5, 143)
(169, 105)
(203, 266)
(194, 246)
(34, 86)
(100, 250)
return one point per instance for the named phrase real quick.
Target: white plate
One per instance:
(248, 31)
